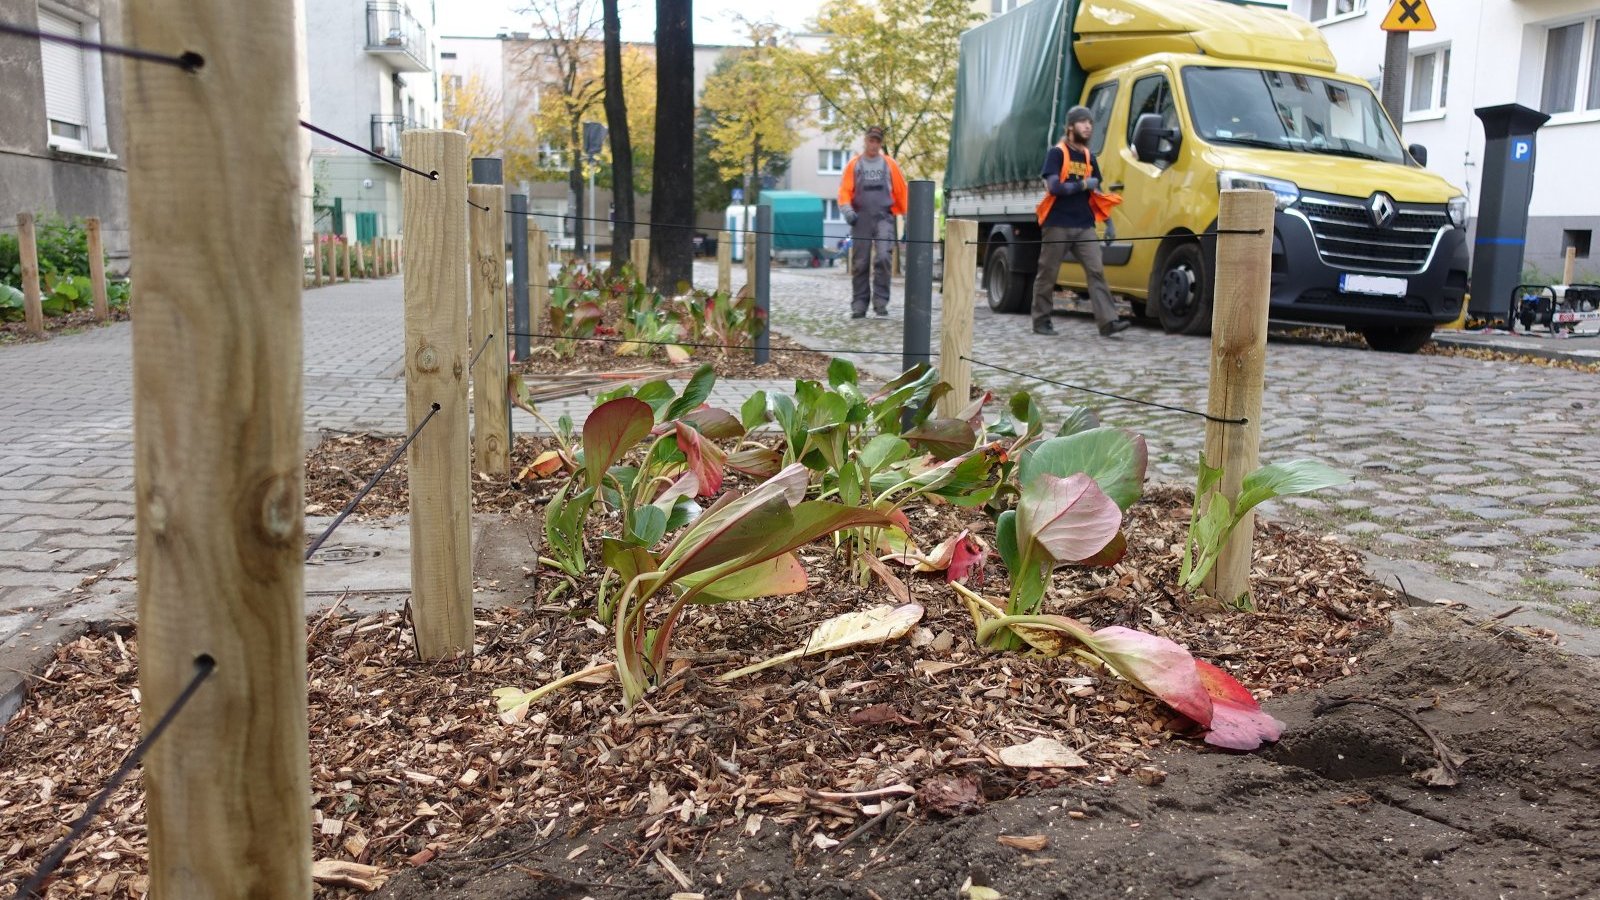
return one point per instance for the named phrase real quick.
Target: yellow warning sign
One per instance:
(1409, 15)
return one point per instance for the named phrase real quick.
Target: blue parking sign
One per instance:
(1521, 149)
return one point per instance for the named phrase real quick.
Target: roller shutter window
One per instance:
(65, 93)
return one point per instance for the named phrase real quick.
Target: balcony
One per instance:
(396, 35)
(386, 134)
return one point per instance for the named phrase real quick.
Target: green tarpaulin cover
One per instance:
(797, 217)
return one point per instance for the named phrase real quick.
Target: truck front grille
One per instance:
(1347, 239)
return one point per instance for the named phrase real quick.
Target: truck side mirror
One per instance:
(1148, 135)
(1419, 153)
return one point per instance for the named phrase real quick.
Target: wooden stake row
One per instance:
(334, 261)
(32, 290)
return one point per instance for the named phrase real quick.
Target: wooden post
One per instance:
(491, 405)
(958, 293)
(749, 289)
(343, 251)
(639, 253)
(1238, 368)
(97, 268)
(316, 260)
(218, 436)
(377, 258)
(538, 278)
(437, 357)
(28, 247)
(361, 260)
(1570, 265)
(724, 262)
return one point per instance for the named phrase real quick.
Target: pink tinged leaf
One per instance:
(1157, 665)
(939, 558)
(776, 577)
(973, 415)
(968, 560)
(1237, 720)
(705, 459)
(716, 424)
(944, 438)
(1071, 519)
(586, 313)
(686, 486)
(678, 356)
(1111, 554)
(757, 462)
(612, 430)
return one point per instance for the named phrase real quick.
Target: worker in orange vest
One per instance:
(1067, 219)
(871, 194)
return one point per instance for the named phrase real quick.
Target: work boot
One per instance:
(1043, 326)
(858, 314)
(881, 312)
(1115, 325)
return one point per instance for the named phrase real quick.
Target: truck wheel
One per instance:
(1009, 292)
(1184, 300)
(1398, 338)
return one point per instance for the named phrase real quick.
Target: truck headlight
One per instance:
(1458, 211)
(1288, 192)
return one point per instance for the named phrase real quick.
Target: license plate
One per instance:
(1571, 317)
(1373, 284)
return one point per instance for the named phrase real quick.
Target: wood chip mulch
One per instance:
(789, 360)
(412, 760)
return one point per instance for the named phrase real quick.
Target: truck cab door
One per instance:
(1151, 189)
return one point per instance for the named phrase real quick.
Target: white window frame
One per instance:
(830, 211)
(95, 142)
(1441, 77)
(826, 114)
(836, 160)
(1581, 111)
(1358, 9)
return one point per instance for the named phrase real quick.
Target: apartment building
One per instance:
(372, 72)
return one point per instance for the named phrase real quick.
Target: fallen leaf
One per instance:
(1025, 841)
(880, 714)
(1042, 753)
(339, 873)
(951, 795)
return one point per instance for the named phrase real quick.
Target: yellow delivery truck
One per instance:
(1190, 98)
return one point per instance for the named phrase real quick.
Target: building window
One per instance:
(74, 95)
(830, 211)
(1333, 10)
(1571, 68)
(826, 114)
(831, 162)
(1430, 81)
(1576, 239)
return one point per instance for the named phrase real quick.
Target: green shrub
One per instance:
(63, 271)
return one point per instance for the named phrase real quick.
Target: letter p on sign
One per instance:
(1521, 150)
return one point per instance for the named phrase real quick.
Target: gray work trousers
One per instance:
(870, 246)
(1087, 251)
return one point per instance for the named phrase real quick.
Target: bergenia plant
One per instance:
(740, 548)
(1203, 693)
(1213, 519)
(1074, 492)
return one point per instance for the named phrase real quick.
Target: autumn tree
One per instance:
(493, 129)
(565, 62)
(892, 63)
(755, 101)
(672, 193)
(619, 137)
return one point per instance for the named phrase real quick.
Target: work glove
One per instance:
(849, 216)
(1091, 184)
(1111, 231)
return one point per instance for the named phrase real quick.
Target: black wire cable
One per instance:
(476, 206)
(1119, 239)
(482, 347)
(431, 176)
(800, 234)
(607, 340)
(188, 61)
(1193, 412)
(204, 665)
(371, 483)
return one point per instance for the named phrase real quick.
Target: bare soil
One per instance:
(77, 320)
(788, 360)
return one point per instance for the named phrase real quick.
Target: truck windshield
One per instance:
(1289, 111)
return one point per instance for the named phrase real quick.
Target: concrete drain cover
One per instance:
(344, 555)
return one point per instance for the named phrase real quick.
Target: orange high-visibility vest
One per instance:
(1069, 167)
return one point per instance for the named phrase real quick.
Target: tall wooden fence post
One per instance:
(958, 293)
(491, 407)
(344, 260)
(218, 436)
(1569, 265)
(97, 268)
(639, 249)
(724, 262)
(28, 247)
(538, 278)
(316, 260)
(380, 265)
(437, 358)
(1238, 368)
(749, 245)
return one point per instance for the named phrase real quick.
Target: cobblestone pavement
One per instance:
(1485, 473)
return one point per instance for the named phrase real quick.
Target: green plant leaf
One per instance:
(842, 371)
(757, 462)
(696, 392)
(610, 431)
(659, 395)
(776, 577)
(753, 414)
(1114, 457)
(944, 438)
(1005, 541)
(716, 424)
(882, 450)
(1299, 476)
(647, 525)
(1079, 419)
(1070, 519)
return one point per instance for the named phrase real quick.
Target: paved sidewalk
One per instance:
(1486, 474)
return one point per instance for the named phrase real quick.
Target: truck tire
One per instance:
(1009, 291)
(1183, 290)
(1398, 338)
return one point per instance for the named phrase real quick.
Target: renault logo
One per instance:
(1382, 209)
